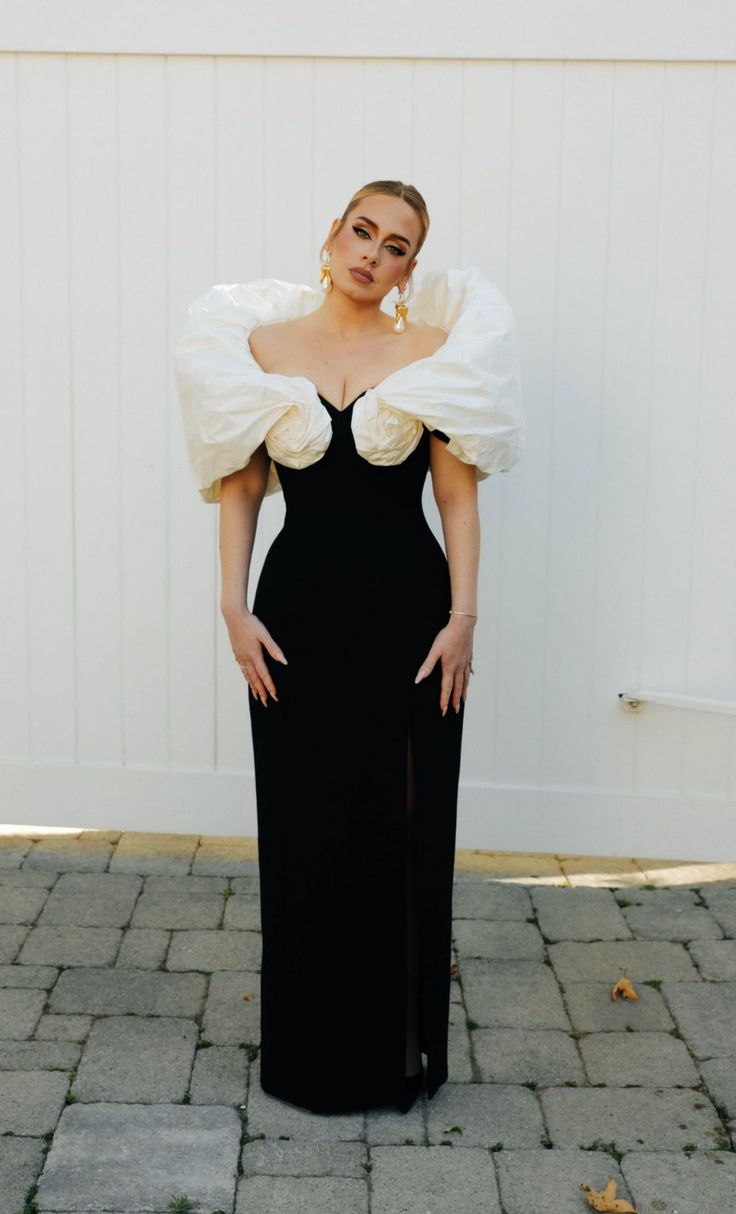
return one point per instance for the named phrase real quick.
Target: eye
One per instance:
(397, 252)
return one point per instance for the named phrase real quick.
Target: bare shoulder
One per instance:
(427, 338)
(267, 341)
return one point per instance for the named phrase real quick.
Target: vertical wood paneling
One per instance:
(598, 196)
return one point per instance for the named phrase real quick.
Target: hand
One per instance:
(248, 636)
(454, 645)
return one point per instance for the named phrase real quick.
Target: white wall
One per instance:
(597, 191)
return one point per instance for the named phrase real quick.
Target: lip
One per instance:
(364, 276)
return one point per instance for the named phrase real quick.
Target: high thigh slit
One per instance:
(357, 776)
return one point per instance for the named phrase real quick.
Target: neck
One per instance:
(344, 317)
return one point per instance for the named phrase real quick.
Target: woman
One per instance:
(360, 637)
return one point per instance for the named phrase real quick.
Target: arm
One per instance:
(241, 495)
(455, 490)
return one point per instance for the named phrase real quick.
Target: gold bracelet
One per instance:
(470, 613)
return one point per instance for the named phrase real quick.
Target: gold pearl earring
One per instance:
(325, 278)
(401, 308)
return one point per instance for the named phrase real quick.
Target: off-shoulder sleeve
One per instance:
(468, 392)
(229, 404)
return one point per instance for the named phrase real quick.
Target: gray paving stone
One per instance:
(220, 1076)
(18, 905)
(163, 885)
(548, 1182)
(635, 1119)
(11, 939)
(25, 878)
(20, 1011)
(20, 1163)
(137, 1060)
(134, 1157)
(103, 992)
(39, 977)
(92, 900)
(229, 1018)
(147, 853)
(701, 1182)
(62, 1028)
(248, 884)
(459, 1062)
(64, 854)
(720, 1076)
(579, 914)
(143, 948)
(639, 960)
(716, 959)
(243, 913)
(262, 1158)
(490, 900)
(492, 939)
(13, 849)
(723, 911)
(209, 863)
(39, 1055)
(544, 1056)
(679, 896)
(643, 1059)
(512, 994)
(30, 1101)
(592, 1010)
(390, 1127)
(706, 1016)
(287, 1194)
(71, 946)
(276, 1118)
(483, 1114)
(418, 1179)
(173, 909)
(214, 950)
(676, 923)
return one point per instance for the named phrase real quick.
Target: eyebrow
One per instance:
(393, 236)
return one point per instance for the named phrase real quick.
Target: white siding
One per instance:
(597, 191)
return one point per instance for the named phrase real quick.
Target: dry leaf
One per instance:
(605, 1200)
(453, 970)
(247, 998)
(624, 987)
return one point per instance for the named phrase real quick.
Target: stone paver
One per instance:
(706, 1015)
(71, 946)
(541, 1181)
(635, 1119)
(91, 900)
(641, 1059)
(20, 1012)
(210, 951)
(130, 1026)
(104, 992)
(220, 1075)
(137, 1059)
(698, 1182)
(133, 1157)
(543, 1056)
(20, 1163)
(579, 914)
(437, 1179)
(31, 1101)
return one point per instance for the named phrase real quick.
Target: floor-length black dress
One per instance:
(356, 892)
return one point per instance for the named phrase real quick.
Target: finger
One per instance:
(466, 686)
(457, 691)
(426, 667)
(448, 678)
(266, 682)
(275, 650)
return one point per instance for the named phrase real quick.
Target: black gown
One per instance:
(356, 891)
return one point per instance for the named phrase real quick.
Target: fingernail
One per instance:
(283, 659)
(444, 710)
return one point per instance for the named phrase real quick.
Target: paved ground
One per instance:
(129, 1011)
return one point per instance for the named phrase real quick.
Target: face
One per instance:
(379, 236)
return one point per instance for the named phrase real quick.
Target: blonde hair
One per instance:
(409, 193)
